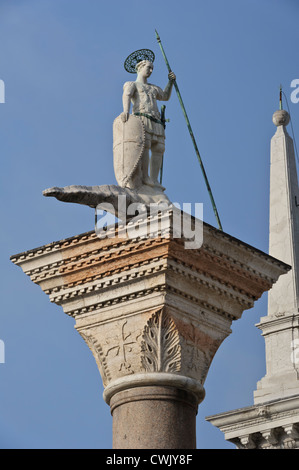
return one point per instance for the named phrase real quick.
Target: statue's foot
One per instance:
(148, 182)
(159, 186)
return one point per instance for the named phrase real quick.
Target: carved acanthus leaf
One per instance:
(161, 344)
(98, 354)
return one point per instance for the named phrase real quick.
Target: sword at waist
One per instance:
(158, 121)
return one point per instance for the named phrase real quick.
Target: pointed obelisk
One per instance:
(273, 421)
(281, 326)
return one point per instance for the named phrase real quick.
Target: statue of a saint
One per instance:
(143, 96)
(138, 146)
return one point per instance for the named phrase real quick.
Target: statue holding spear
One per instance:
(134, 136)
(134, 168)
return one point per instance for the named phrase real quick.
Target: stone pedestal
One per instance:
(153, 313)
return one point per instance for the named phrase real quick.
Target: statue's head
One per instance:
(136, 61)
(144, 65)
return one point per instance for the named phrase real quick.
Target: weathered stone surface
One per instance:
(152, 312)
(281, 118)
(273, 421)
(128, 149)
(138, 147)
(281, 326)
(272, 425)
(172, 412)
(121, 289)
(108, 195)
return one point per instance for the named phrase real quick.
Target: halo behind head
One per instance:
(138, 56)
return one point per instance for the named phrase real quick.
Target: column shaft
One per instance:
(154, 417)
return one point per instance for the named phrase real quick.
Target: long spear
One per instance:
(191, 134)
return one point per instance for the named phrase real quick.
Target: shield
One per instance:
(128, 146)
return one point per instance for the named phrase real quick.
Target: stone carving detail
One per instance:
(263, 411)
(114, 353)
(160, 345)
(121, 349)
(281, 437)
(99, 356)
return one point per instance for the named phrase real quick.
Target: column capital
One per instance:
(152, 311)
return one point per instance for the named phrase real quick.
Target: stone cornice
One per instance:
(274, 323)
(148, 305)
(255, 426)
(89, 237)
(70, 263)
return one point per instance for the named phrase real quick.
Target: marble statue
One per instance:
(138, 148)
(151, 134)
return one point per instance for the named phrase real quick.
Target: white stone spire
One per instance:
(284, 218)
(273, 421)
(281, 326)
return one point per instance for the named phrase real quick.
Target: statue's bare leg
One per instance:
(158, 149)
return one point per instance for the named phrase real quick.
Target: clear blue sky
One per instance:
(62, 64)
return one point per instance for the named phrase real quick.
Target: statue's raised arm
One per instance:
(168, 89)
